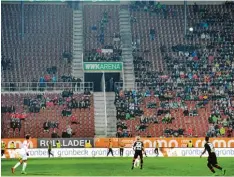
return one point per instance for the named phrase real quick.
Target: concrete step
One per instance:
(99, 124)
(77, 60)
(80, 49)
(125, 23)
(77, 65)
(77, 54)
(111, 134)
(77, 40)
(78, 45)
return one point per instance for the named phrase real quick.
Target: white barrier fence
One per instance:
(128, 152)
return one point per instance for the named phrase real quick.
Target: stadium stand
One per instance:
(32, 110)
(192, 70)
(47, 36)
(101, 28)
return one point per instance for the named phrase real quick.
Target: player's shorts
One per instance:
(3, 151)
(21, 155)
(212, 159)
(138, 153)
(156, 149)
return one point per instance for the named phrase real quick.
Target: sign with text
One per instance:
(165, 142)
(65, 142)
(128, 152)
(18, 141)
(103, 66)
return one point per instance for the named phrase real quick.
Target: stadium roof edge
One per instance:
(104, 2)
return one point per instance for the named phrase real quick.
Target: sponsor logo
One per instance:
(65, 143)
(167, 142)
(128, 152)
(103, 66)
(18, 142)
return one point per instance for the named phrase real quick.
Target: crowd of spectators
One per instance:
(39, 102)
(8, 109)
(50, 124)
(201, 72)
(129, 106)
(99, 55)
(106, 52)
(15, 123)
(173, 132)
(50, 79)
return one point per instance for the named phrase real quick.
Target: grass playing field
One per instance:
(117, 167)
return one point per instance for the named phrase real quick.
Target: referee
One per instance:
(110, 148)
(190, 144)
(50, 148)
(121, 148)
(3, 146)
(156, 148)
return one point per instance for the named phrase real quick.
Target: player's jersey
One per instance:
(138, 146)
(25, 146)
(156, 145)
(210, 148)
(110, 145)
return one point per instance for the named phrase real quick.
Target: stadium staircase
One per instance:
(99, 118)
(77, 68)
(126, 43)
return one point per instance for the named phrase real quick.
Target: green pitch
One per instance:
(117, 167)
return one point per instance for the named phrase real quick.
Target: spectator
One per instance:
(222, 131)
(152, 34)
(190, 131)
(41, 83)
(46, 126)
(12, 145)
(73, 120)
(111, 84)
(69, 131)
(54, 134)
(229, 132)
(54, 80)
(87, 92)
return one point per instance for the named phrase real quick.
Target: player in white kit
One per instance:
(22, 155)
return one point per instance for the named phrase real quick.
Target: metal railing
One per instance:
(47, 86)
(120, 85)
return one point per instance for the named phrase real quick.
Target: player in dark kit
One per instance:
(212, 159)
(49, 149)
(138, 147)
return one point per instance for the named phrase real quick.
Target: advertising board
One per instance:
(166, 142)
(128, 152)
(65, 142)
